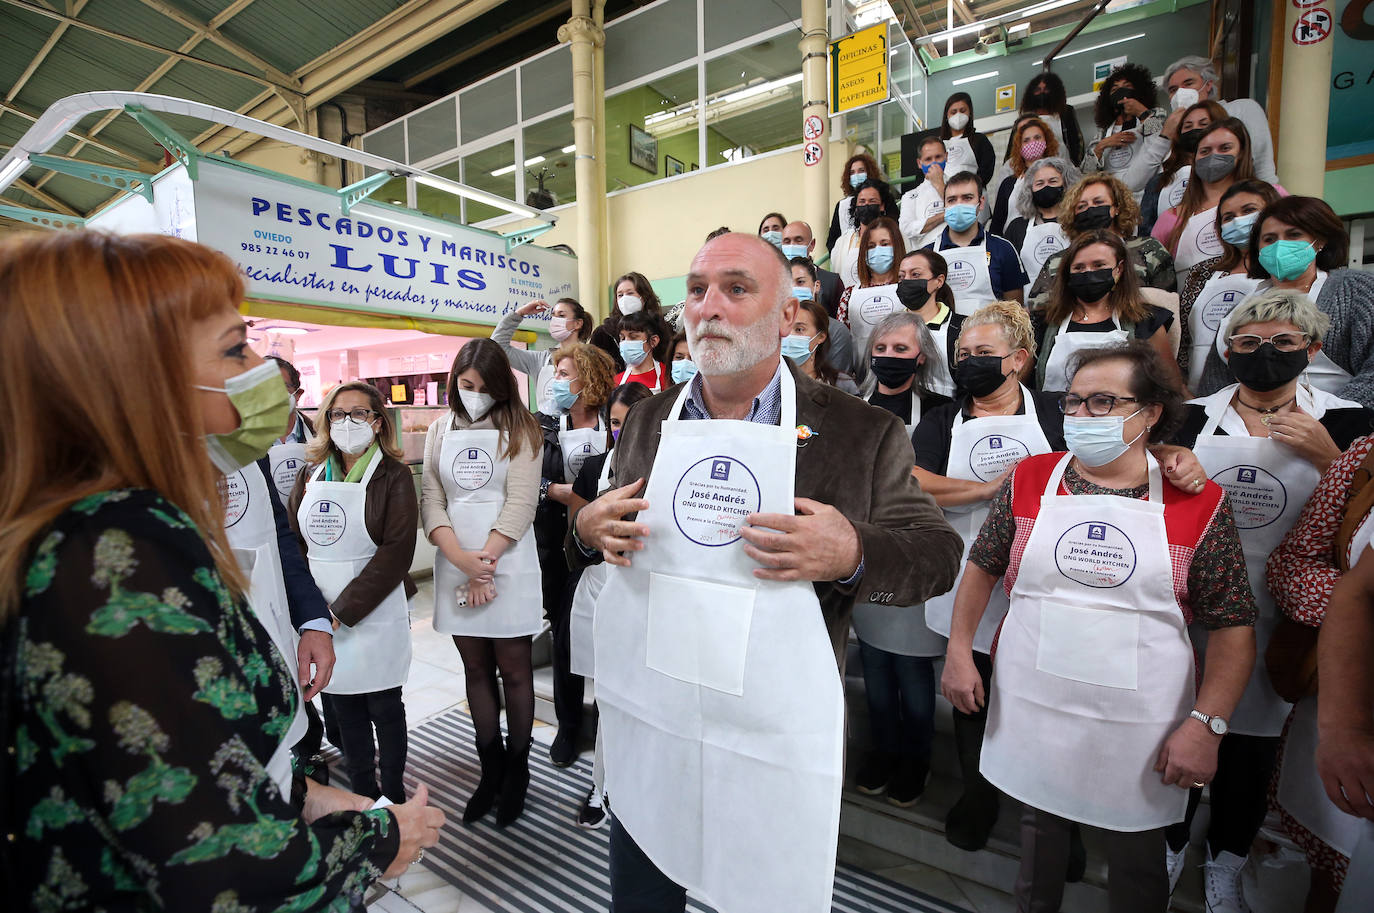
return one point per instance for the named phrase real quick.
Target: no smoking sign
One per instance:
(811, 153)
(1313, 26)
(813, 128)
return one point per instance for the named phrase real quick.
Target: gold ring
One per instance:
(1197, 483)
(1196, 785)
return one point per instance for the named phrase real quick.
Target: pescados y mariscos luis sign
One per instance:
(293, 244)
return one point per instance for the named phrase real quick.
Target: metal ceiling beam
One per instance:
(42, 54)
(44, 196)
(516, 27)
(209, 33)
(963, 12)
(84, 137)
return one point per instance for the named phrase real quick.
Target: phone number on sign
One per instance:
(270, 249)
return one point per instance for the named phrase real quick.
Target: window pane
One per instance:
(549, 139)
(492, 170)
(546, 83)
(488, 108)
(393, 192)
(390, 141)
(895, 123)
(432, 131)
(727, 21)
(660, 119)
(650, 41)
(440, 202)
(754, 100)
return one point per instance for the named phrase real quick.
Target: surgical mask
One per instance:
(351, 437)
(1032, 149)
(1047, 197)
(1267, 368)
(958, 121)
(1096, 441)
(476, 404)
(558, 328)
(893, 372)
(856, 180)
(632, 351)
(1287, 260)
(773, 237)
(979, 375)
(615, 434)
(1214, 167)
(802, 293)
(961, 217)
(1091, 285)
(1237, 231)
(563, 397)
(264, 407)
(684, 369)
(793, 251)
(913, 293)
(630, 304)
(797, 348)
(1188, 139)
(1093, 217)
(867, 213)
(1183, 98)
(925, 169)
(880, 258)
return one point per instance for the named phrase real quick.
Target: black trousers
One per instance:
(1239, 795)
(637, 885)
(1137, 877)
(558, 584)
(357, 716)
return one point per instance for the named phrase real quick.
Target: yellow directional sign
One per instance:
(858, 69)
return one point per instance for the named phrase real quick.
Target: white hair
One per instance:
(1199, 65)
(1024, 204)
(1277, 305)
(925, 342)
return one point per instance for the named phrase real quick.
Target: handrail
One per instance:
(1089, 16)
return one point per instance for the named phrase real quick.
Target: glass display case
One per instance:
(411, 423)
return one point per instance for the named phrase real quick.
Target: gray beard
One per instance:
(743, 349)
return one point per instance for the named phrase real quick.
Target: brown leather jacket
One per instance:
(392, 516)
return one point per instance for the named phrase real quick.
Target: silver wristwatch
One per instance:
(1214, 723)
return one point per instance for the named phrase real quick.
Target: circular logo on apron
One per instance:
(325, 522)
(961, 274)
(1045, 248)
(1176, 192)
(284, 475)
(1095, 554)
(546, 392)
(1258, 497)
(581, 453)
(712, 499)
(235, 498)
(994, 454)
(1120, 156)
(1217, 306)
(1208, 242)
(472, 468)
(876, 308)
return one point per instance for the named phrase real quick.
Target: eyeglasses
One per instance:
(359, 415)
(1245, 343)
(1099, 404)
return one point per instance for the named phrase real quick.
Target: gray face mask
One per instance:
(1214, 167)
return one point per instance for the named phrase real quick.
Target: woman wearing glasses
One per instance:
(1093, 715)
(1267, 440)
(355, 512)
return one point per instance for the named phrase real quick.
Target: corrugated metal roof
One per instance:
(315, 28)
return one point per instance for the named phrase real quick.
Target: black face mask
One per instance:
(1267, 368)
(1188, 139)
(1093, 217)
(893, 372)
(1047, 196)
(913, 293)
(1091, 285)
(979, 375)
(1039, 100)
(867, 213)
(1120, 96)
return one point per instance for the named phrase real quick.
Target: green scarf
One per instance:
(335, 466)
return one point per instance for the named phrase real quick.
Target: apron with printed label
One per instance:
(721, 704)
(968, 276)
(287, 460)
(544, 387)
(1268, 485)
(251, 527)
(1043, 241)
(926, 201)
(473, 471)
(1068, 343)
(939, 379)
(1093, 669)
(578, 444)
(374, 654)
(1199, 241)
(582, 616)
(845, 257)
(980, 450)
(1119, 158)
(1172, 195)
(867, 308)
(959, 156)
(1206, 321)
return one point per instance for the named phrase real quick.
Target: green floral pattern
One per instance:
(149, 700)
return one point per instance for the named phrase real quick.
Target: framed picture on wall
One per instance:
(694, 166)
(672, 166)
(643, 150)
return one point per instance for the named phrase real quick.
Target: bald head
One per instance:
(739, 302)
(799, 233)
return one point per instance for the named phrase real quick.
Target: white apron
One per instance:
(959, 156)
(1357, 891)
(1119, 158)
(1069, 343)
(867, 308)
(1323, 373)
(1043, 241)
(374, 654)
(980, 450)
(1093, 669)
(916, 207)
(721, 704)
(252, 531)
(968, 275)
(577, 445)
(544, 389)
(1172, 195)
(474, 475)
(1268, 484)
(583, 613)
(844, 259)
(1199, 241)
(1207, 320)
(287, 460)
(940, 379)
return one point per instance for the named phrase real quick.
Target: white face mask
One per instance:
(351, 437)
(629, 304)
(476, 404)
(958, 121)
(558, 328)
(1184, 98)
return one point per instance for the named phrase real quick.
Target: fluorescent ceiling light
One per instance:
(1019, 27)
(1024, 13)
(510, 169)
(13, 170)
(960, 82)
(1095, 47)
(728, 104)
(570, 148)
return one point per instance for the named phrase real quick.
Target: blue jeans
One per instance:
(901, 701)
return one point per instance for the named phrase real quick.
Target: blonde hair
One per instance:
(321, 448)
(100, 383)
(595, 370)
(1011, 317)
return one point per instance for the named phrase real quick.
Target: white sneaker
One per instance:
(1221, 877)
(1175, 863)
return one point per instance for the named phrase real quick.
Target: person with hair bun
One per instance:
(567, 320)
(1095, 712)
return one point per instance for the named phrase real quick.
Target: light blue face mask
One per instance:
(802, 293)
(880, 259)
(797, 348)
(1097, 440)
(1287, 260)
(1237, 231)
(961, 216)
(563, 397)
(856, 180)
(773, 237)
(684, 369)
(793, 251)
(632, 351)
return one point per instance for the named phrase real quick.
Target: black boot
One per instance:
(874, 772)
(493, 758)
(516, 784)
(970, 821)
(909, 781)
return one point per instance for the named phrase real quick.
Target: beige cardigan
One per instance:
(522, 483)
